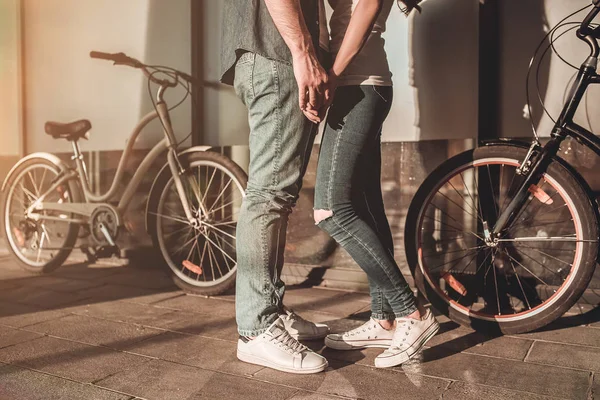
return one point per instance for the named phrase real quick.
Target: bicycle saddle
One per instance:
(71, 131)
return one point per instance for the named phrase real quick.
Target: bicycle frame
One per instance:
(564, 127)
(92, 200)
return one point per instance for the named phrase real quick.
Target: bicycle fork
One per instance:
(534, 174)
(177, 170)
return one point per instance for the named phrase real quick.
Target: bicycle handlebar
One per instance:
(585, 25)
(123, 59)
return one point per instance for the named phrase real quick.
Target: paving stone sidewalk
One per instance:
(126, 332)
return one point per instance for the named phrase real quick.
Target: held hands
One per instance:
(316, 114)
(312, 83)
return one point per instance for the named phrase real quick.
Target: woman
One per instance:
(348, 198)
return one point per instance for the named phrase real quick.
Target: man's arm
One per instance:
(310, 76)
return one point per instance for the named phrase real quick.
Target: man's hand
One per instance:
(410, 5)
(312, 83)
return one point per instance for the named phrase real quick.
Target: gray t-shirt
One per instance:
(370, 66)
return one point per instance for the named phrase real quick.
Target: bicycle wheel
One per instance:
(201, 258)
(39, 246)
(536, 269)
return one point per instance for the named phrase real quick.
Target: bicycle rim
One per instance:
(530, 267)
(35, 243)
(210, 246)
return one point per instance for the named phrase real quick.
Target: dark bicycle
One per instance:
(504, 237)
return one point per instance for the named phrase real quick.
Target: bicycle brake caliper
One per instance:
(526, 164)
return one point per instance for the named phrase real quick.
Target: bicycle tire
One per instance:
(161, 184)
(74, 194)
(584, 207)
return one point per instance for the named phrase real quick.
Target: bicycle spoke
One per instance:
(42, 181)
(462, 196)
(219, 230)
(40, 247)
(522, 223)
(183, 246)
(213, 243)
(496, 285)
(190, 253)
(451, 261)
(208, 184)
(220, 195)
(459, 206)
(548, 224)
(202, 261)
(472, 199)
(546, 254)
(569, 239)
(226, 261)
(445, 213)
(28, 193)
(456, 251)
(211, 252)
(526, 269)
(170, 234)
(455, 229)
(226, 223)
(542, 265)
(223, 206)
(519, 281)
(487, 255)
(492, 189)
(180, 220)
(35, 188)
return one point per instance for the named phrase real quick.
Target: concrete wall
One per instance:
(63, 83)
(10, 112)
(523, 27)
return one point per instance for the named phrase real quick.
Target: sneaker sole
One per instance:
(363, 344)
(252, 359)
(403, 357)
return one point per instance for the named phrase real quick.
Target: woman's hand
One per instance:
(329, 93)
(410, 5)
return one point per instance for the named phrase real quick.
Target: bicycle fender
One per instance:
(46, 156)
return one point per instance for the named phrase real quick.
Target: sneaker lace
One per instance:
(291, 315)
(287, 342)
(367, 326)
(402, 332)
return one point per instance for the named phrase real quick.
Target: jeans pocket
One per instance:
(244, 70)
(246, 58)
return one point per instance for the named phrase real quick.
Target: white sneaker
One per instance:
(301, 329)
(276, 349)
(409, 338)
(370, 334)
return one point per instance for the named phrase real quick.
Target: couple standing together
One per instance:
(273, 54)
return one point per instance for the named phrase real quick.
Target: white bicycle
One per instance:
(192, 207)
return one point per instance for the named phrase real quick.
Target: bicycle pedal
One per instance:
(107, 252)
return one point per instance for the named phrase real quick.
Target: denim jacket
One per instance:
(248, 26)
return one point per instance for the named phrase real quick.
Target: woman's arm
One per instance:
(361, 24)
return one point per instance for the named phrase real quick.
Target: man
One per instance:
(269, 54)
